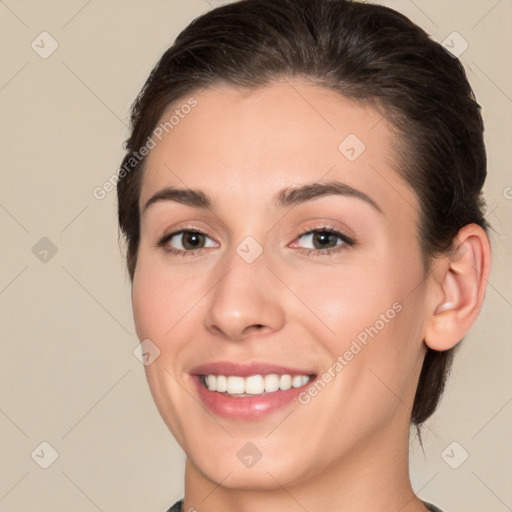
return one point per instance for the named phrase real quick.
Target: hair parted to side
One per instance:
(365, 52)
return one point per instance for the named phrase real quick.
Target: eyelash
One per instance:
(330, 230)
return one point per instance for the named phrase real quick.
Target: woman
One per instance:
(301, 201)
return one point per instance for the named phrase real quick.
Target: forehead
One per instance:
(251, 143)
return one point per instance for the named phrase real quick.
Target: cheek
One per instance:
(352, 294)
(373, 313)
(165, 301)
(146, 301)
(341, 300)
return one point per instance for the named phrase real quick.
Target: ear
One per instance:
(457, 288)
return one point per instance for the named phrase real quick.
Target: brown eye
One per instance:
(186, 241)
(324, 239)
(192, 240)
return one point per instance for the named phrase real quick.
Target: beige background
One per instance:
(69, 376)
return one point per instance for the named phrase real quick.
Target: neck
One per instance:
(373, 477)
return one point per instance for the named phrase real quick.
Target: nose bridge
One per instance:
(243, 297)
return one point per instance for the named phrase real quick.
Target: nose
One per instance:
(245, 300)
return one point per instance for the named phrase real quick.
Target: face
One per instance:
(303, 270)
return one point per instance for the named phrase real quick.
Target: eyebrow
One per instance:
(289, 196)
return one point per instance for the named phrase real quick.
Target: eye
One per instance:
(186, 241)
(324, 240)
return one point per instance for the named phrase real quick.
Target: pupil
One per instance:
(192, 239)
(323, 236)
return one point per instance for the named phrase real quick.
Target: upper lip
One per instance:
(246, 369)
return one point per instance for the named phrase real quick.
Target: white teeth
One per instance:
(271, 383)
(222, 383)
(235, 385)
(297, 381)
(211, 382)
(254, 384)
(286, 382)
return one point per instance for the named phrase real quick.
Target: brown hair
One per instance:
(366, 52)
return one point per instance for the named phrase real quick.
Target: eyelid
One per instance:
(323, 224)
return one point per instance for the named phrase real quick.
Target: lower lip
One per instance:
(246, 408)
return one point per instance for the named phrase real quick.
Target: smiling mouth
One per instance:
(253, 385)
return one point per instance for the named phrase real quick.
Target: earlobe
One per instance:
(458, 288)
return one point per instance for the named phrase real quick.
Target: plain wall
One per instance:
(69, 375)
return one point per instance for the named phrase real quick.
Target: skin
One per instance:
(347, 449)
